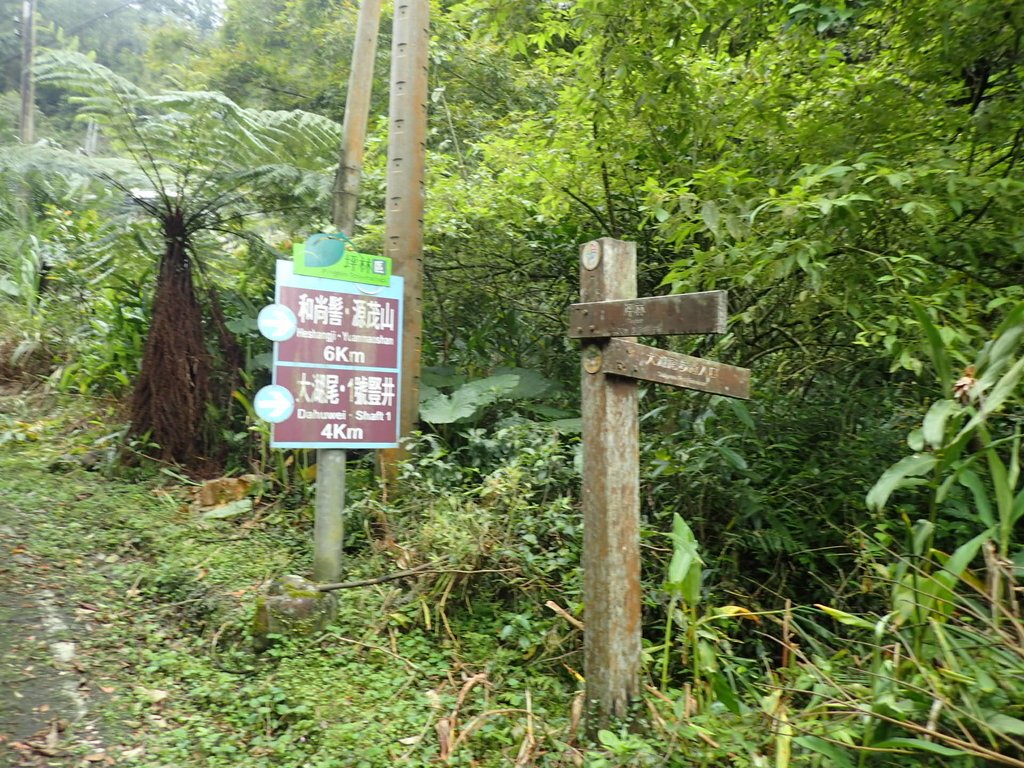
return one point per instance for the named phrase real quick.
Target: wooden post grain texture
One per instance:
(610, 500)
(349, 173)
(405, 197)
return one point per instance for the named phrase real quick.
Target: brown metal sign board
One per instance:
(683, 313)
(637, 361)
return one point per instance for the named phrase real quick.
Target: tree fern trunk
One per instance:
(172, 389)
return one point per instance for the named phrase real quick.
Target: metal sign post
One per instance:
(611, 472)
(336, 384)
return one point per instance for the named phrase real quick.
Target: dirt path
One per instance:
(45, 691)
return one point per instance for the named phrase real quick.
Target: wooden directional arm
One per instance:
(638, 361)
(683, 313)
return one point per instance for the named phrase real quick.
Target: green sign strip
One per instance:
(327, 256)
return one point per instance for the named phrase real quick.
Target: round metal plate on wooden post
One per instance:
(591, 255)
(592, 360)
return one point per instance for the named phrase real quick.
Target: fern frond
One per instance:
(195, 151)
(82, 75)
(64, 170)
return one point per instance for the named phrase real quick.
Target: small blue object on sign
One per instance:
(323, 250)
(333, 257)
(277, 322)
(273, 403)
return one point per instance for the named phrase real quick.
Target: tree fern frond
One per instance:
(64, 168)
(197, 152)
(318, 135)
(81, 74)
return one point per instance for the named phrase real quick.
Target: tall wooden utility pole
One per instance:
(403, 223)
(26, 126)
(357, 112)
(329, 523)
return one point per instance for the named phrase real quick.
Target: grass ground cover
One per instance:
(160, 603)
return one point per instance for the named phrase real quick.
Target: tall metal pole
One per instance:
(26, 126)
(403, 221)
(329, 521)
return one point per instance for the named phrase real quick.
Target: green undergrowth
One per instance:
(476, 659)
(171, 598)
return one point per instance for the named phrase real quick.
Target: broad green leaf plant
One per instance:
(946, 660)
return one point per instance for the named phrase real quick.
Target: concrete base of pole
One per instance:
(292, 607)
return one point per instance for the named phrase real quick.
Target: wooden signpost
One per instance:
(609, 314)
(654, 316)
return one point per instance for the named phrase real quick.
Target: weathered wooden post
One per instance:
(611, 495)
(608, 316)
(26, 123)
(406, 195)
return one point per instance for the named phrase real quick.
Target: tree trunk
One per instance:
(172, 389)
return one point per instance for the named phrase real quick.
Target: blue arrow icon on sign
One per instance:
(273, 403)
(277, 322)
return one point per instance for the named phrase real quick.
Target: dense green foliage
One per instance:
(848, 171)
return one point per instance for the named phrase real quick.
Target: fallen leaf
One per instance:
(222, 490)
(95, 757)
(153, 695)
(131, 754)
(53, 737)
(46, 744)
(230, 509)
(107, 688)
